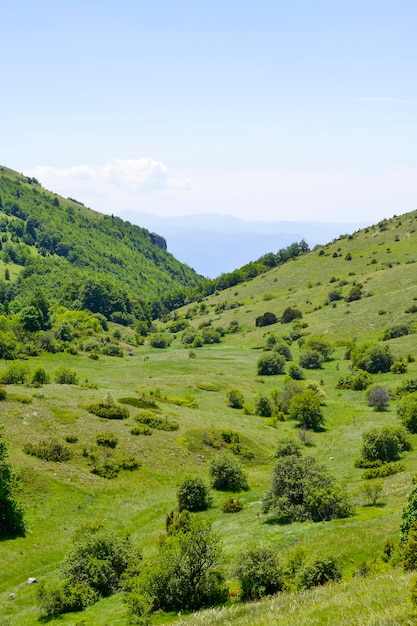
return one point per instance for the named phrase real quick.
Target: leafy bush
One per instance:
(106, 439)
(408, 386)
(301, 489)
(372, 491)
(159, 341)
(227, 473)
(48, 450)
(12, 519)
(154, 421)
(194, 494)
(71, 438)
(295, 372)
(311, 359)
(15, 374)
(93, 568)
(185, 575)
(397, 330)
(140, 403)
(266, 319)
(360, 382)
(407, 411)
(283, 349)
(236, 398)
(321, 345)
(129, 463)
(108, 411)
(40, 376)
(382, 471)
(399, 367)
(321, 570)
(3, 394)
(111, 349)
(306, 410)
(290, 314)
(371, 358)
(384, 444)
(65, 376)
(263, 406)
(271, 365)
(232, 505)
(141, 429)
(259, 573)
(288, 446)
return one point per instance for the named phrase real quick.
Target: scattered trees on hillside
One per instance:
(302, 489)
(12, 519)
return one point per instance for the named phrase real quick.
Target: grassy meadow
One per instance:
(189, 385)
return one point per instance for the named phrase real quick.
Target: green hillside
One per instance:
(57, 243)
(360, 289)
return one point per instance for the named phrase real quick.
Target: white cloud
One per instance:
(118, 184)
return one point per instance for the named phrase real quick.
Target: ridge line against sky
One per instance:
(269, 111)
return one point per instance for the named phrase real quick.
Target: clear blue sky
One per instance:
(269, 110)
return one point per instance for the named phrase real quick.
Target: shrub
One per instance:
(382, 471)
(288, 446)
(232, 505)
(71, 438)
(407, 411)
(295, 372)
(236, 398)
(194, 494)
(408, 386)
(399, 367)
(48, 450)
(106, 439)
(306, 410)
(372, 491)
(290, 314)
(40, 376)
(378, 398)
(15, 374)
(159, 341)
(321, 570)
(354, 294)
(271, 365)
(301, 489)
(12, 519)
(259, 573)
(263, 406)
(311, 359)
(226, 473)
(65, 376)
(321, 345)
(129, 463)
(111, 349)
(372, 358)
(3, 394)
(108, 411)
(266, 319)
(384, 444)
(283, 350)
(141, 429)
(154, 421)
(397, 330)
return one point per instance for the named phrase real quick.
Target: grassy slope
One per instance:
(58, 498)
(85, 241)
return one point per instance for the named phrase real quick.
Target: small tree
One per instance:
(194, 494)
(236, 398)
(263, 406)
(259, 573)
(372, 491)
(306, 410)
(384, 444)
(311, 359)
(271, 364)
(227, 473)
(378, 398)
(290, 314)
(407, 411)
(12, 522)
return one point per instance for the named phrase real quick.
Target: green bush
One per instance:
(378, 397)
(15, 374)
(141, 429)
(108, 411)
(407, 411)
(129, 463)
(399, 367)
(271, 364)
(3, 393)
(232, 505)
(371, 358)
(263, 406)
(288, 446)
(290, 314)
(48, 450)
(382, 471)
(311, 359)
(40, 376)
(396, 330)
(321, 570)
(71, 438)
(106, 439)
(112, 349)
(266, 319)
(154, 421)
(295, 372)
(259, 573)
(384, 444)
(194, 494)
(226, 473)
(65, 376)
(306, 410)
(236, 398)
(159, 341)
(12, 518)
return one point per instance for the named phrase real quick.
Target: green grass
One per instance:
(60, 497)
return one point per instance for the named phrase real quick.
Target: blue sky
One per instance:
(264, 110)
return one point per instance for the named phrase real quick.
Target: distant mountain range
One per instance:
(213, 244)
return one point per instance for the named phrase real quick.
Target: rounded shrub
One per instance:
(271, 364)
(194, 494)
(259, 573)
(106, 439)
(227, 473)
(65, 376)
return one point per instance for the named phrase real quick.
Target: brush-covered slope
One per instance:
(58, 243)
(359, 288)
